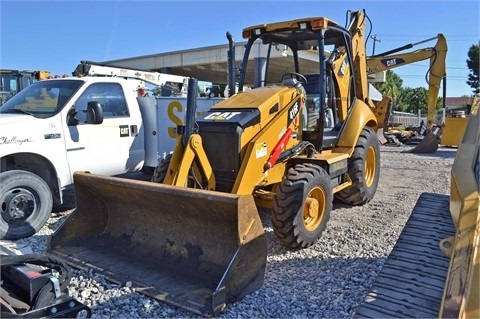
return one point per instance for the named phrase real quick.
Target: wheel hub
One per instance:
(370, 167)
(312, 205)
(17, 205)
(313, 209)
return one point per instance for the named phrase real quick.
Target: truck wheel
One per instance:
(161, 170)
(363, 169)
(302, 206)
(148, 170)
(25, 204)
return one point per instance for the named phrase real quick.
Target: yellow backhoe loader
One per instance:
(436, 72)
(194, 237)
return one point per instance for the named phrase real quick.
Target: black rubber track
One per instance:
(287, 213)
(411, 282)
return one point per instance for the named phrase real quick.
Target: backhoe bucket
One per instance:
(381, 136)
(429, 144)
(196, 249)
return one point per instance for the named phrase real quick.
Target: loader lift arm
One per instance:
(435, 74)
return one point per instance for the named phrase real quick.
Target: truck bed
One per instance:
(411, 282)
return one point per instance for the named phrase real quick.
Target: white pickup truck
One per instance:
(55, 127)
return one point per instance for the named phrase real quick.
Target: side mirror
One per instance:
(94, 113)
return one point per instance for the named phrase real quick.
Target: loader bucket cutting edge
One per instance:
(429, 144)
(198, 250)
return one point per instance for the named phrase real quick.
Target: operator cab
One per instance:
(312, 113)
(315, 49)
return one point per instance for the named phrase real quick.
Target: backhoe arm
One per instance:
(436, 71)
(357, 30)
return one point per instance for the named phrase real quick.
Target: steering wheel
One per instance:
(294, 75)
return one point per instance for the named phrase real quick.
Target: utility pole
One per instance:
(374, 40)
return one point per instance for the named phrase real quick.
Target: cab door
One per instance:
(113, 147)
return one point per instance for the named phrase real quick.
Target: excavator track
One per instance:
(411, 282)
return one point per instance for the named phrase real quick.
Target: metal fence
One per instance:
(409, 119)
(406, 119)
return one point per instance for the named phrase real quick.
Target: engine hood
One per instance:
(257, 106)
(263, 97)
(20, 132)
(14, 120)
(266, 100)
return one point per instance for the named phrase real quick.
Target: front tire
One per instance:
(302, 206)
(363, 169)
(25, 204)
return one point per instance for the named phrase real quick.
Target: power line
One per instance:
(413, 76)
(409, 36)
(419, 64)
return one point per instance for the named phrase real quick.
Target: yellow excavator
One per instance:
(193, 237)
(436, 73)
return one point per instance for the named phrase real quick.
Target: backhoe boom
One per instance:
(436, 72)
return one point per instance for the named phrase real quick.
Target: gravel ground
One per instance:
(328, 280)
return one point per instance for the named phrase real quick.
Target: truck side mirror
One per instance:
(94, 113)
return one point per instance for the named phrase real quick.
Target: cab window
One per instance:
(110, 97)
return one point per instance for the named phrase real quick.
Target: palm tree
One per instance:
(391, 87)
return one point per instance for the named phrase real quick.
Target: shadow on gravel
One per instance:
(337, 204)
(440, 153)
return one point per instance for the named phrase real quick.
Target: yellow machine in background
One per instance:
(453, 130)
(12, 81)
(436, 72)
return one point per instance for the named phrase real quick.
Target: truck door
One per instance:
(114, 147)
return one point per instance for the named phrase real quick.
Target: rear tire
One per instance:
(363, 169)
(25, 204)
(161, 170)
(302, 206)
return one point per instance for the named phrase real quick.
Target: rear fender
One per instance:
(360, 116)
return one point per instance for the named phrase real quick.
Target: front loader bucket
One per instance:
(198, 250)
(429, 144)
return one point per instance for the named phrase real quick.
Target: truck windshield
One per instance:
(42, 99)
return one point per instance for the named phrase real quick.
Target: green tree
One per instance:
(473, 65)
(391, 87)
(404, 100)
(156, 91)
(414, 99)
